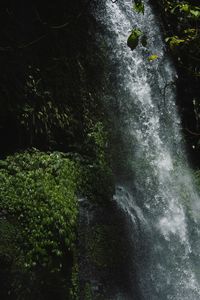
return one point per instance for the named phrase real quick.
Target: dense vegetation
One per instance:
(181, 21)
(55, 137)
(45, 56)
(38, 216)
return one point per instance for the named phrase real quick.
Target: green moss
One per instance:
(133, 38)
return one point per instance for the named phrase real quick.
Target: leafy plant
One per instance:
(139, 6)
(189, 10)
(74, 291)
(38, 190)
(87, 292)
(133, 38)
(98, 136)
(152, 57)
(174, 41)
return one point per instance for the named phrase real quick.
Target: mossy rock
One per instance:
(133, 38)
(38, 215)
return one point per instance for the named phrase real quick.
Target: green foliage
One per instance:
(41, 119)
(152, 57)
(54, 80)
(74, 291)
(139, 6)
(38, 190)
(98, 136)
(38, 198)
(41, 114)
(8, 238)
(99, 184)
(53, 104)
(190, 10)
(133, 38)
(87, 292)
(186, 18)
(174, 41)
(182, 31)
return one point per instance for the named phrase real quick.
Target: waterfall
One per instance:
(159, 199)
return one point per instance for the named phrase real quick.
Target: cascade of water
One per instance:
(162, 200)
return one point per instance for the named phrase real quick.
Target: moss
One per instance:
(133, 38)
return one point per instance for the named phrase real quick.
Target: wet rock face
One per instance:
(103, 252)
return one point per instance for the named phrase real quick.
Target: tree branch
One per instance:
(191, 132)
(32, 42)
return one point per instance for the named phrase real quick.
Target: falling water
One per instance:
(159, 200)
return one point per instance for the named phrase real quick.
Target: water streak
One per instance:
(160, 199)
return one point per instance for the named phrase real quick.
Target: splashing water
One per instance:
(160, 199)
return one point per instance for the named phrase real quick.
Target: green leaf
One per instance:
(133, 38)
(152, 57)
(174, 41)
(185, 8)
(195, 13)
(139, 7)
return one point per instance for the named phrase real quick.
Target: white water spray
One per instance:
(162, 197)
